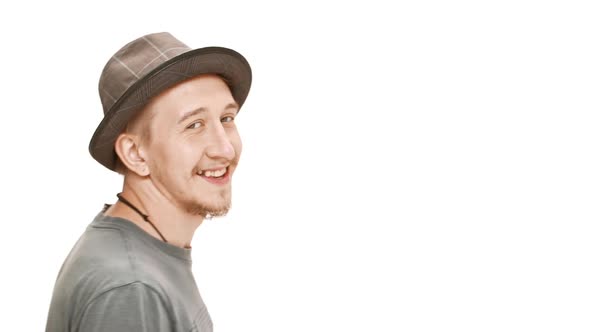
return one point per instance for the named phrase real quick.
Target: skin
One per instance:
(191, 130)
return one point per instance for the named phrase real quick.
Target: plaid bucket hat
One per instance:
(147, 66)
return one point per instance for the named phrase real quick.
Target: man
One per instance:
(169, 128)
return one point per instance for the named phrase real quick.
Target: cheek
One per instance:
(236, 142)
(169, 158)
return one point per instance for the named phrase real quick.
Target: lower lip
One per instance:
(219, 181)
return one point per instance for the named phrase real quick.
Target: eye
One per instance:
(195, 125)
(228, 118)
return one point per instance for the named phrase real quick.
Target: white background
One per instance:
(421, 166)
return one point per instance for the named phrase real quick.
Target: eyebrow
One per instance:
(191, 113)
(203, 109)
(232, 105)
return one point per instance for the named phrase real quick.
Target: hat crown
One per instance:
(133, 61)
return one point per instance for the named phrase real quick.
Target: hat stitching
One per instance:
(162, 54)
(109, 95)
(156, 47)
(124, 65)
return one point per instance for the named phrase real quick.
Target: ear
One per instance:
(131, 155)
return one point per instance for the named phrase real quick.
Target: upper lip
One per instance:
(202, 170)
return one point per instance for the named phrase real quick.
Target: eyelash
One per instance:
(194, 123)
(231, 117)
(228, 116)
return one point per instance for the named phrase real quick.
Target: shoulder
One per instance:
(103, 251)
(135, 306)
(103, 259)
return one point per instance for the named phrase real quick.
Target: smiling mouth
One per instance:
(213, 173)
(216, 176)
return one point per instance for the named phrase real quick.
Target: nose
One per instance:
(220, 145)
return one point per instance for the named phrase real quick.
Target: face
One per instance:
(194, 146)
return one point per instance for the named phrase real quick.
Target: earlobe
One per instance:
(130, 154)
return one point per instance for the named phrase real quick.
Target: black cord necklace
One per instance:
(144, 216)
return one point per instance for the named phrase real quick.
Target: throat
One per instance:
(144, 216)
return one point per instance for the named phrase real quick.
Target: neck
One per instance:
(175, 225)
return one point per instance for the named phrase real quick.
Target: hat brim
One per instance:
(224, 62)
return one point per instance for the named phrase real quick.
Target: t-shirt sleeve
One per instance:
(131, 308)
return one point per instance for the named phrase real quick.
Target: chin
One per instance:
(208, 209)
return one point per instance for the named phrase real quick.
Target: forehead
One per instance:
(207, 92)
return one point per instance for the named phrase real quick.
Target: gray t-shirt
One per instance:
(119, 278)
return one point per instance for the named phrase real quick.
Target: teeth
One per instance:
(215, 174)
